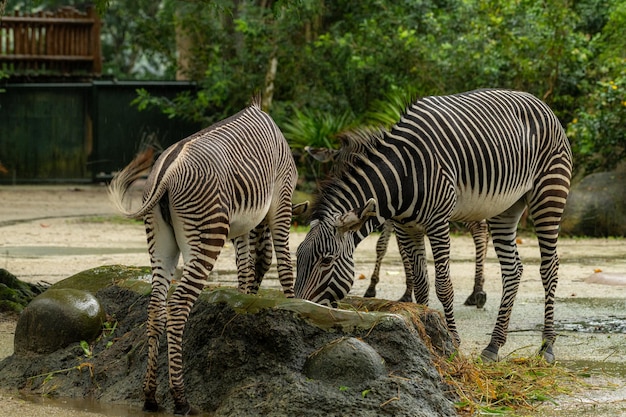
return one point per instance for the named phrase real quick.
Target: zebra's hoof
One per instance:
(549, 357)
(370, 293)
(480, 299)
(150, 406)
(546, 352)
(489, 356)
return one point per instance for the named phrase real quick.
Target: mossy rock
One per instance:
(93, 280)
(16, 294)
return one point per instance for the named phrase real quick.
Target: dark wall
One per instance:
(80, 132)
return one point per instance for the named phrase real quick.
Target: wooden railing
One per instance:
(65, 43)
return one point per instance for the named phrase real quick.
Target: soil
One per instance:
(48, 233)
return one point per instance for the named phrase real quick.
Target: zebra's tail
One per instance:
(121, 182)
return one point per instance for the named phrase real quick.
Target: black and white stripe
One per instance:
(485, 154)
(218, 184)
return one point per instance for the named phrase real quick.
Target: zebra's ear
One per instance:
(354, 219)
(298, 209)
(321, 154)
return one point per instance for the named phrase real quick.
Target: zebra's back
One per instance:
(488, 146)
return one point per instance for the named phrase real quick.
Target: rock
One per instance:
(244, 355)
(596, 206)
(345, 362)
(56, 319)
(95, 279)
(16, 294)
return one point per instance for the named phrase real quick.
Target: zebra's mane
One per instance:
(356, 145)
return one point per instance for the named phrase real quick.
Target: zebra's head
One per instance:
(325, 264)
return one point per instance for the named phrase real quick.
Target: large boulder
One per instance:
(247, 355)
(596, 206)
(56, 319)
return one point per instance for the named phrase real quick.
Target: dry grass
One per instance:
(511, 387)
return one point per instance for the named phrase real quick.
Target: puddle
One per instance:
(40, 251)
(608, 324)
(587, 367)
(89, 405)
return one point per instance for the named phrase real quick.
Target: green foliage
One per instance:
(323, 66)
(597, 131)
(597, 134)
(386, 112)
(316, 129)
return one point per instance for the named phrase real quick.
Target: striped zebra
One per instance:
(484, 154)
(478, 230)
(478, 297)
(217, 184)
(261, 248)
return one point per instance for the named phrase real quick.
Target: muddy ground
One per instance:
(49, 233)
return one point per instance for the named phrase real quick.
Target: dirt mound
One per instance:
(244, 355)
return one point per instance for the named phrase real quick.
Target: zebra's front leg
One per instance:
(279, 227)
(412, 250)
(440, 243)
(245, 263)
(503, 231)
(381, 249)
(480, 236)
(261, 250)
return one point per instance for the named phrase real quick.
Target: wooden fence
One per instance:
(66, 42)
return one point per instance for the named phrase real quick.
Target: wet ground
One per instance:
(49, 233)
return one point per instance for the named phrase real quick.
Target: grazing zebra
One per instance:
(215, 185)
(479, 231)
(484, 154)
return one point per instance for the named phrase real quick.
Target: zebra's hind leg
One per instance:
(164, 254)
(381, 250)
(503, 232)
(178, 309)
(480, 235)
(546, 209)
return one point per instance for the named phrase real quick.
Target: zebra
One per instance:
(478, 230)
(261, 248)
(483, 154)
(217, 184)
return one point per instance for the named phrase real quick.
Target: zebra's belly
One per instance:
(473, 206)
(244, 221)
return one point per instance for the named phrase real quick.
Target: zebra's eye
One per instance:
(327, 260)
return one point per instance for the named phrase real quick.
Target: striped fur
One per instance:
(485, 154)
(479, 234)
(217, 184)
(478, 297)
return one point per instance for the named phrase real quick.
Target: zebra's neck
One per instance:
(361, 175)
